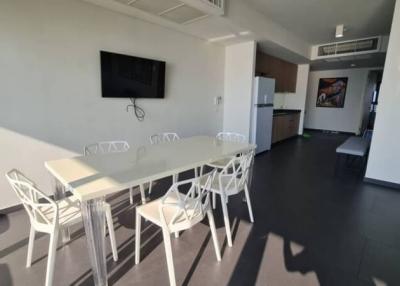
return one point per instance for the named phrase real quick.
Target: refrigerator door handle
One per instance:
(264, 105)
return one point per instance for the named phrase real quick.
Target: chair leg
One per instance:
(111, 232)
(51, 259)
(214, 234)
(175, 178)
(214, 200)
(226, 219)
(150, 186)
(246, 191)
(105, 226)
(170, 261)
(131, 196)
(196, 173)
(142, 194)
(30, 247)
(137, 237)
(201, 170)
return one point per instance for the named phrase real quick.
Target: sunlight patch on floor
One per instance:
(274, 267)
(379, 282)
(296, 248)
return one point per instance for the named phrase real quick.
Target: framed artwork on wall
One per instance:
(332, 92)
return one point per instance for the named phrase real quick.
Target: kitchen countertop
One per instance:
(280, 112)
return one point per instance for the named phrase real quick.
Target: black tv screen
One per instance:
(132, 77)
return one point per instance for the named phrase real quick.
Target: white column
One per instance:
(384, 158)
(239, 75)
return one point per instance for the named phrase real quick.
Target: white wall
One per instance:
(346, 119)
(384, 157)
(296, 100)
(51, 104)
(239, 75)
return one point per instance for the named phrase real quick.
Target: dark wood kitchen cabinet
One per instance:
(285, 126)
(284, 73)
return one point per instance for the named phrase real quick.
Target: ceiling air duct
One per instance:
(178, 11)
(348, 48)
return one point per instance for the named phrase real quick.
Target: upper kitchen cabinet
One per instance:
(284, 73)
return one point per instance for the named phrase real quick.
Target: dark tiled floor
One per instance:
(312, 228)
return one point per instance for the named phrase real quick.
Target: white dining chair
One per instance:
(219, 164)
(231, 180)
(231, 136)
(163, 138)
(177, 211)
(105, 147)
(49, 216)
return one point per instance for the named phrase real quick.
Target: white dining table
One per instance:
(91, 178)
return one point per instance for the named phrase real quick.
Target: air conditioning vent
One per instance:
(350, 47)
(178, 11)
(217, 3)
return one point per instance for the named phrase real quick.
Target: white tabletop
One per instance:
(354, 145)
(94, 176)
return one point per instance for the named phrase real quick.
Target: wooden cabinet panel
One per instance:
(293, 125)
(284, 73)
(291, 77)
(278, 128)
(285, 126)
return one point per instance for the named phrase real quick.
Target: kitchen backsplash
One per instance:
(280, 100)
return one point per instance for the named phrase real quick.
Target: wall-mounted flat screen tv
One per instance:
(132, 77)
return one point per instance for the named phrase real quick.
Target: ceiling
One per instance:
(280, 27)
(278, 51)
(209, 27)
(349, 62)
(315, 20)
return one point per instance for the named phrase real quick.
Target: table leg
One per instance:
(93, 213)
(59, 194)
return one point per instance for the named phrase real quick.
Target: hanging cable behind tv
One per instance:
(139, 112)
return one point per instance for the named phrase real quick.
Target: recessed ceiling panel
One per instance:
(331, 60)
(375, 60)
(346, 58)
(183, 14)
(124, 1)
(155, 6)
(363, 57)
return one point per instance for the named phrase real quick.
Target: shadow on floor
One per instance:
(5, 275)
(304, 203)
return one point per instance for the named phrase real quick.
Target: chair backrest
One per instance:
(190, 208)
(163, 137)
(231, 136)
(105, 147)
(235, 174)
(36, 203)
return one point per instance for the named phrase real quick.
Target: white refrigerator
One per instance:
(262, 110)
